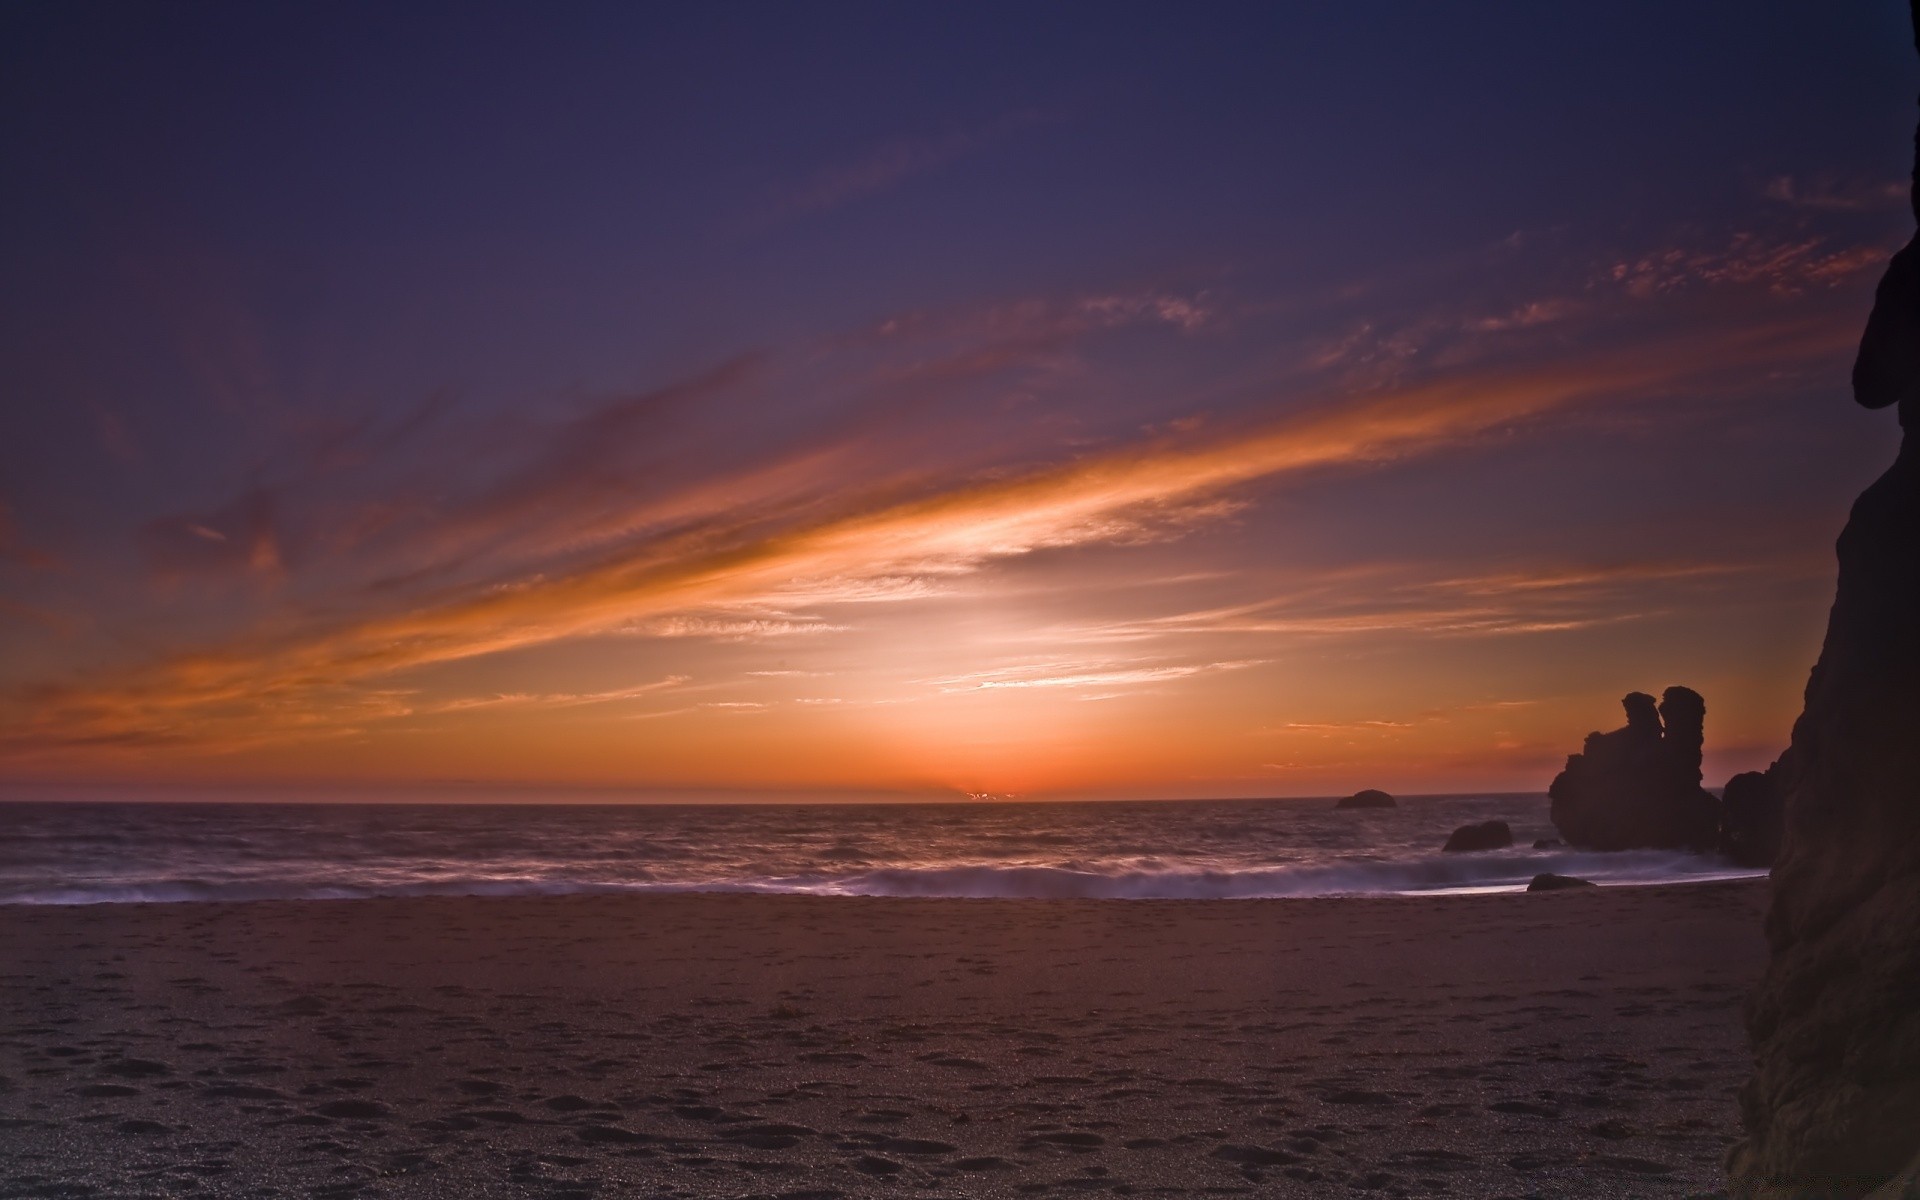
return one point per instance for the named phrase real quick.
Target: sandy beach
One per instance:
(1580, 1043)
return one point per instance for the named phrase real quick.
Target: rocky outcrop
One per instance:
(1368, 798)
(1833, 1108)
(1487, 835)
(1639, 786)
(1549, 882)
(1752, 816)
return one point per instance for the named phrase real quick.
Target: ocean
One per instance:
(92, 853)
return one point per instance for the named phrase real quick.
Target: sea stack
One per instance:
(1833, 1108)
(1638, 787)
(1368, 798)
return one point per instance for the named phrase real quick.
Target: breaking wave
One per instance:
(1453, 874)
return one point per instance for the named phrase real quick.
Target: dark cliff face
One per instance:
(1833, 1108)
(1887, 370)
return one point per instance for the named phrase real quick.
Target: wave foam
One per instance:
(1449, 873)
(1456, 873)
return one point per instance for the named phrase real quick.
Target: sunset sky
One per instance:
(914, 400)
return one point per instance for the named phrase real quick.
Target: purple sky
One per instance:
(1101, 400)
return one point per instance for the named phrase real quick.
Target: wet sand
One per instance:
(1580, 1043)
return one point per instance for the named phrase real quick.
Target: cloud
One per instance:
(565, 485)
(894, 161)
(1041, 320)
(1530, 315)
(1831, 195)
(1082, 675)
(1407, 600)
(883, 167)
(1130, 309)
(1784, 267)
(240, 539)
(585, 462)
(666, 582)
(543, 699)
(927, 352)
(723, 629)
(857, 589)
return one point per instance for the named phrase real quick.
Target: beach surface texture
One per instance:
(1581, 1043)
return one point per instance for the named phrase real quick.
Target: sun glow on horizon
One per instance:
(1047, 459)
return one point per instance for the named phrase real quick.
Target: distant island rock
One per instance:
(1368, 798)
(1549, 882)
(1833, 1107)
(1638, 787)
(1487, 835)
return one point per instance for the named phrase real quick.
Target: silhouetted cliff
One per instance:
(1833, 1108)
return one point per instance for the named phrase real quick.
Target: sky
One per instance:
(874, 401)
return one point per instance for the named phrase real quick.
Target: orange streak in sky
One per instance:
(255, 688)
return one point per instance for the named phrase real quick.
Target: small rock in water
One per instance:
(1549, 882)
(1547, 843)
(1487, 835)
(1368, 798)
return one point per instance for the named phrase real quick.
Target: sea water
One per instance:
(88, 853)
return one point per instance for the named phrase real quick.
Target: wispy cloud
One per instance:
(1412, 601)
(542, 699)
(1028, 331)
(241, 539)
(668, 581)
(733, 629)
(892, 162)
(1784, 267)
(1083, 675)
(1834, 195)
(1529, 315)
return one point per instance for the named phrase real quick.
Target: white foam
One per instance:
(1493, 871)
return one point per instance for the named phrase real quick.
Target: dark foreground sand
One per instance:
(1562, 1044)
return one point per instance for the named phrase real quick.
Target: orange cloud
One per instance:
(308, 679)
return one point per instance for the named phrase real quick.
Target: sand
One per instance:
(1579, 1043)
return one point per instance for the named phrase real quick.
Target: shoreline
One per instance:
(519, 890)
(1581, 1043)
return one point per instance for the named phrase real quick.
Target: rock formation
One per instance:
(1752, 816)
(1549, 882)
(1487, 835)
(1833, 1108)
(1639, 786)
(1368, 798)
